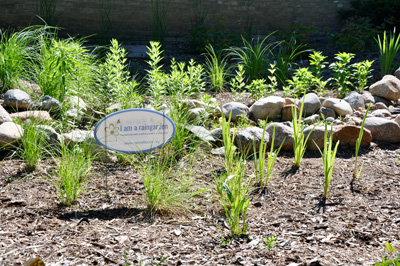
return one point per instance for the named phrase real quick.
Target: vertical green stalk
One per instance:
(158, 29)
(229, 146)
(388, 48)
(356, 171)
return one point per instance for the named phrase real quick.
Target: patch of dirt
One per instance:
(108, 225)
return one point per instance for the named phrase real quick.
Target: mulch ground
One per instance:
(109, 227)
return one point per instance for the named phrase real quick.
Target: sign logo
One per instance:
(134, 130)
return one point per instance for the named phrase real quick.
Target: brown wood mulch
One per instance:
(110, 228)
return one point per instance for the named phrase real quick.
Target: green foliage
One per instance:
(356, 171)
(356, 35)
(254, 56)
(46, 11)
(328, 159)
(301, 81)
(229, 147)
(114, 81)
(388, 47)
(361, 74)
(73, 168)
(17, 49)
(318, 64)
(270, 242)
(387, 261)
(158, 27)
(342, 73)
(233, 191)
(217, 68)
(238, 83)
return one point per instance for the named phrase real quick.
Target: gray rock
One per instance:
(249, 138)
(311, 104)
(330, 119)
(382, 113)
(327, 112)
(270, 107)
(282, 133)
(397, 73)
(316, 137)
(383, 129)
(50, 135)
(77, 136)
(9, 133)
(341, 107)
(17, 99)
(368, 97)
(218, 151)
(388, 87)
(397, 119)
(196, 113)
(4, 115)
(50, 104)
(382, 100)
(77, 103)
(355, 100)
(394, 110)
(191, 104)
(380, 105)
(311, 119)
(200, 132)
(234, 109)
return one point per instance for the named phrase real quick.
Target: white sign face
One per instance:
(134, 130)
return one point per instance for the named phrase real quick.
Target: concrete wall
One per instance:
(132, 19)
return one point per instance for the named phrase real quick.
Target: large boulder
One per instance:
(4, 115)
(311, 104)
(234, 109)
(388, 87)
(17, 99)
(9, 133)
(270, 107)
(282, 133)
(249, 138)
(341, 107)
(348, 135)
(383, 129)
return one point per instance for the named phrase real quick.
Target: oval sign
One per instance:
(134, 130)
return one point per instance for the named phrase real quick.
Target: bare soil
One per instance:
(109, 226)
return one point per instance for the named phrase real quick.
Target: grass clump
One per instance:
(388, 48)
(217, 68)
(356, 170)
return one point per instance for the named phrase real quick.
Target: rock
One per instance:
(41, 116)
(383, 129)
(380, 105)
(196, 113)
(341, 107)
(394, 110)
(316, 138)
(397, 73)
(327, 112)
(388, 87)
(311, 119)
(397, 119)
(9, 133)
(77, 136)
(219, 151)
(289, 101)
(191, 104)
(270, 107)
(4, 115)
(282, 132)
(348, 135)
(330, 119)
(382, 113)
(74, 102)
(368, 97)
(50, 135)
(311, 104)
(28, 87)
(355, 100)
(382, 100)
(200, 132)
(234, 109)
(353, 120)
(287, 112)
(17, 99)
(50, 104)
(250, 136)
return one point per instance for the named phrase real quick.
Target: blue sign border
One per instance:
(135, 110)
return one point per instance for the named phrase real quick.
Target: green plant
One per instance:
(233, 191)
(356, 171)
(229, 147)
(328, 159)
(17, 49)
(156, 78)
(257, 88)
(342, 73)
(33, 144)
(254, 56)
(46, 11)
(388, 48)
(299, 141)
(158, 28)
(73, 167)
(317, 63)
(217, 68)
(238, 83)
(387, 261)
(301, 81)
(140, 261)
(361, 73)
(271, 158)
(198, 32)
(270, 242)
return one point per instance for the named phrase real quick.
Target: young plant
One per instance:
(387, 261)
(356, 171)
(73, 168)
(229, 147)
(254, 56)
(342, 73)
(328, 160)
(388, 48)
(156, 78)
(299, 141)
(317, 63)
(271, 158)
(217, 68)
(233, 191)
(270, 242)
(361, 73)
(238, 83)
(301, 81)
